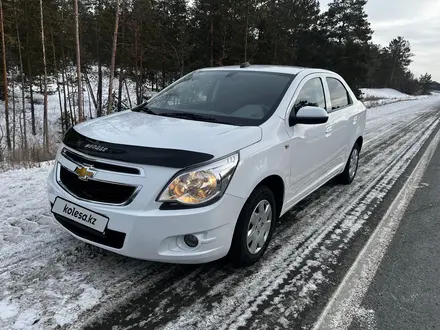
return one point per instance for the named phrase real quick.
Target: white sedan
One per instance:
(204, 169)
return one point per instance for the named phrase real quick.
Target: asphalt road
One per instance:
(405, 293)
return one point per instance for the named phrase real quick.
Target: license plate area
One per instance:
(80, 215)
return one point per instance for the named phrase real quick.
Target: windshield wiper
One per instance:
(145, 108)
(189, 115)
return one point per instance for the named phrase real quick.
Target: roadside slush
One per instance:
(405, 292)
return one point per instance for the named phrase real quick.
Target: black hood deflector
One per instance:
(173, 158)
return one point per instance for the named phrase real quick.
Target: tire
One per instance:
(350, 172)
(241, 253)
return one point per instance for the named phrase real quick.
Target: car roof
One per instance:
(294, 70)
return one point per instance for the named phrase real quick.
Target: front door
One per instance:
(310, 146)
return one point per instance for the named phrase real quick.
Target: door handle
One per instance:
(355, 119)
(328, 130)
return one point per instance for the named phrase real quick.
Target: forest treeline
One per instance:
(154, 42)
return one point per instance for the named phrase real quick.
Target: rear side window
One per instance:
(311, 94)
(338, 94)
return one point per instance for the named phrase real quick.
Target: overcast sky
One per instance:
(418, 21)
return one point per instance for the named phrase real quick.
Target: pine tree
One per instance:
(425, 82)
(347, 31)
(347, 21)
(399, 52)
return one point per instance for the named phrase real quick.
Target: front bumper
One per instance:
(157, 235)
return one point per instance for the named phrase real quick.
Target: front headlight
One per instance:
(202, 184)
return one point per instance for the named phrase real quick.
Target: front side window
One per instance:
(338, 94)
(244, 98)
(311, 94)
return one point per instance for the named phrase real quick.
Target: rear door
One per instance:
(340, 109)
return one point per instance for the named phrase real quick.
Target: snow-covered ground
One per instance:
(50, 280)
(374, 97)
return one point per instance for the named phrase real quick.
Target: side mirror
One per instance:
(309, 115)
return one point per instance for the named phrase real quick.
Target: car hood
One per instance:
(139, 129)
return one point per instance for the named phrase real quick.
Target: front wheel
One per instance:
(254, 227)
(351, 167)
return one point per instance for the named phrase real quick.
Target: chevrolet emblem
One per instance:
(85, 173)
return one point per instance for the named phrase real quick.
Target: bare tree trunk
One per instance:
(5, 78)
(90, 90)
(182, 61)
(112, 65)
(56, 77)
(78, 66)
(224, 56)
(120, 90)
(394, 67)
(121, 70)
(211, 32)
(13, 118)
(31, 80)
(64, 78)
(163, 75)
(65, 94)
(84, 105)
(99, 92)
(45, 119)
(90, 104)
(31, 91)
(23, 98)
(21, 131)
(72, 115)
(141, 75)
(128, 94)
(246, 31)
(136, 67)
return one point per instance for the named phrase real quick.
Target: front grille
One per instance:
(74, 157)
(112, 238)
(96, 191)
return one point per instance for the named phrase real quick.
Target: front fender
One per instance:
(256, 165)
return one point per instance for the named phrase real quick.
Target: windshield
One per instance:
(230, 97)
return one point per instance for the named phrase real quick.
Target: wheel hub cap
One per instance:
(259, 227)
(354, 159)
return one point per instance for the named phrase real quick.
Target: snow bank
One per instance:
(383, 93)
(374, 97)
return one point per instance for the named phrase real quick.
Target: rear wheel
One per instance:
(254, 227)
(351, 167)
